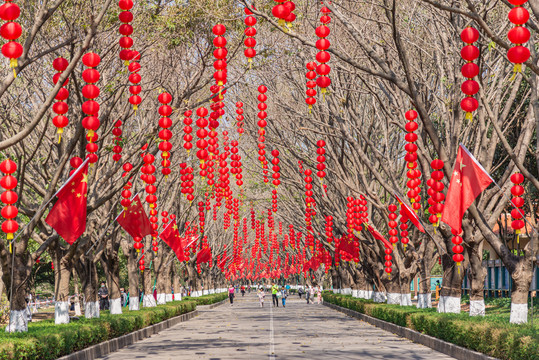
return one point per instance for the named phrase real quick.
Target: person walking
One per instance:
(307, 294)
(231, 294)
(242, 291)
(261, 295)
(283, 296)
(103, 294)
(300, 291)
(274, 291)
(312, 291)
(319, 293)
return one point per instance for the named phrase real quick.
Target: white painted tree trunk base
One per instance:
(205, 292)
(477, 307)
(212, 291)
(78, 310)
(406, 299)
(449, 304)
(347, 291)
(424, 301)
(378, 297)
(116, 306)
(169, 298)
(91, 309)
(161, 299)
(519, 313)
(355, 293)
(134, 303)
(18, 321)
(148, 301)
(394, 298)
(61, 312)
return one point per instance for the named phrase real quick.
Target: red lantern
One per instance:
(436, 198)
(240, 118)
(457, 248)
(262, 115)
(250, 32)
(323, 57)
(469, 70)
(393, 232)
(321, 159)
(311, 85)
(517, 213)
(165, 134)
(117, 141)
(202, 144)
(9, 197)
(11, 31)
(187, 129)
(518, 35)
(411, 159)
(91, 107)
(60, 107)
(126, 30)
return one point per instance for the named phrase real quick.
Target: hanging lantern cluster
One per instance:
(126, 42)
(236, 163)
(117, 141)
(213, 152)
(250, 32)
(187, 129)
(262, 115)
(135, 79)
(202, 143)
(519, 35)
(9, 197)
(363, 211)
(329, 228)
(283, 11)
(388, 262)
(517, 190)
(126, 192)
(11, 31)
(201, 216)
(220, 54)
(311, 85)
(186, 176)
(321, 159)
(393, 232)
(91, 107)
(435, 191)
(414, 191)
(240, 118)
(154, 224)
(253, 218)
(470, 87)
(141, 263)
(148, 170)
(458, 249)
(276, 175)
(323, 44)
(60, 107)
(404, 230)
(165, 134)
(309, 200)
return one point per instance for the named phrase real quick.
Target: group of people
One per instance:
(310, 293)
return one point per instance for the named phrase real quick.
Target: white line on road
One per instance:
(271, 340)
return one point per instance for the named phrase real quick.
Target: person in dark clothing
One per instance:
(103, 295)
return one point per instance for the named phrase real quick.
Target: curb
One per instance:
(444, 347)
(211, 306)
(116, 344)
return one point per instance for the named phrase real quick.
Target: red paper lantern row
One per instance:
(165, 134)
(236, 163)
(519, 35)
(253, 218)
(91, 107)
(202, 143)
(11, 31)
(363, 211)
(240, 118)
(404, 230)
(117, 141)
(393, 232)
(283, 11)
(250, 32)
(275, 161)
(186, 176)
(323, 57)
(135, 79)
(220, 54)
(187, 129)
(141, 262)
(154, 224)
(321, 159)
(126, 42)
(126, 192)
(311, 85)
(469, 70)
(517, 190)
(329, 228)
(201, 216)
(436, 196)
(414, 191)
(262, 115)
(388, 262)
(148, 170)
(9, 197)
(457, 248)
(60, 107)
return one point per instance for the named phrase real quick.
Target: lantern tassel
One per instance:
(469, 116)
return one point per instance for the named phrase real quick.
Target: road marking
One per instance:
(271, 340)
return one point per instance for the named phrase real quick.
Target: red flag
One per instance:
(171, 236)
(347, 245)
(410, 214)
(379, 236)
(68, 215)
(134, 219)
(203, 255)
(469, 179)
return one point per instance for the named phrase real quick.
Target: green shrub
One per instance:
(209, 299)
(491, 335)
(45, 340)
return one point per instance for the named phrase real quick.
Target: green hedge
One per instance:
(491, 335)
(209, 299)
(45, 340)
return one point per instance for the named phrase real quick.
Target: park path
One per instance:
(299, 331)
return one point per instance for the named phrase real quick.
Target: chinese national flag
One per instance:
(68, 215)
(347, 245)
(171, 236)
(410, 214)
(469, 179)
(379, 236)
(134, 219)
(204, 255)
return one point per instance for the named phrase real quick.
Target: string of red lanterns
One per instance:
(437, 197)
(11, 31)
(469, 70)
(517, 190)
(165, 134)
(323, 57)
(135, 79)
(126, 192)
(9, 197)
(262, 123)
(117, 141)
(60, 107)
(91, 107)
(239, 118)
(250, 32)
(202, 133)
(311, 85)
(393, 232)
(413, 174)
(321, 159)
(126, 42)
(518, 35)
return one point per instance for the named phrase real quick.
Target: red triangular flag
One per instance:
(171, 236)
(134, 219)
(379, 236)
(410, 214)
(68, 215)
(469, 179)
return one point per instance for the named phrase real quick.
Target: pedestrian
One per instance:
(242, 291)
(284, 295)
(123, 297)
(307, 294)
(103, 294)
(231, 294)
(261, 295)
(274, 291)
(300, 291)
(319, 293)
(312, 291)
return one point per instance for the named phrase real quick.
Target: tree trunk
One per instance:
(62, 275)
(148, 300)
(451, 286)
(78, 311)
(18, 320)
(476, 276)
(393, 291)
(88, 274)
(522, 277)
(132, 275)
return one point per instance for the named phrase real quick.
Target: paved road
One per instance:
(299, 331)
